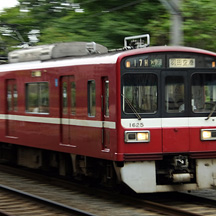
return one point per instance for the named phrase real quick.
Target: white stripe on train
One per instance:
(126, 123)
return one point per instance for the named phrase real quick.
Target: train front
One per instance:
(168, 119)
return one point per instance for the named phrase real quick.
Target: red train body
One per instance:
(111, 115)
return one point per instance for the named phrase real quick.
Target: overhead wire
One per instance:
(114, 9)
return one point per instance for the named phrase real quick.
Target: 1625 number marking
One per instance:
(136, 125)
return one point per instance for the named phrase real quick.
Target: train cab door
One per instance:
(105, 114)
(175, 121)
(68, 102)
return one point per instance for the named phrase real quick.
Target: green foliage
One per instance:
(199, 23)
(108, 22)
(105, 22)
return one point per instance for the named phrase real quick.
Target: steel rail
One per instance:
(167, 209)
(66, 208)
(2, 213)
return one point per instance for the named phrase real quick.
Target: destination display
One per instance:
(146, 61)
(170, 60)
(182, 63)
(189, 60)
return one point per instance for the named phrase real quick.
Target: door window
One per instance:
(73, 97)
(91, 98)
(12, 96)
(106, 99)
(174, 94)
(64, 98)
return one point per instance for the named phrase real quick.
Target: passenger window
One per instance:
(37, 97)
(174, 94)
(91, 98)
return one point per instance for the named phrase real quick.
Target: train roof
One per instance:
(158, 49)
(98, 58)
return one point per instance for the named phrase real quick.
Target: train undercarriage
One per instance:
(173, 173)
(60, 164)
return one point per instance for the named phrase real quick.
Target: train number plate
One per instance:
(136, 125)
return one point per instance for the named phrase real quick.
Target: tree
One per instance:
(108, 22)
(199, 23)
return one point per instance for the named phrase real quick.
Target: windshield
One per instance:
(141, 91)
(203, 92)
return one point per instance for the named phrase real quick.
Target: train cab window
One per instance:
(203, 98)
(12, 95)
(140, 93)
(174, 94)
(91, 98)
(37, 97)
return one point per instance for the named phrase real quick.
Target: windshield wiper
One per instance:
(132, 107)
(212, 111)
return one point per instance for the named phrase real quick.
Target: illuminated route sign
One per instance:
(182, 63)
(145, 61)
(170, 60)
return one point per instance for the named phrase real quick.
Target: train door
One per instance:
(105, 114)
(12, 97)
(68, 107)
(175, 123)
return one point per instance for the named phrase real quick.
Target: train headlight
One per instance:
(142, 136)
(137, 136)
(208, 134)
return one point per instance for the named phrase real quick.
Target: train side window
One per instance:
(174, 94)
(73, 98)
(37, 97)
(91, 98)
(12, 95)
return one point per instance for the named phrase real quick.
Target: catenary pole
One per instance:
(176, 32)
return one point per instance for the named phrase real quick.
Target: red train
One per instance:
(145, 117)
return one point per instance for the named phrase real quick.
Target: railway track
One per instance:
(194, 203)
(16, 202)
(95, 202)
